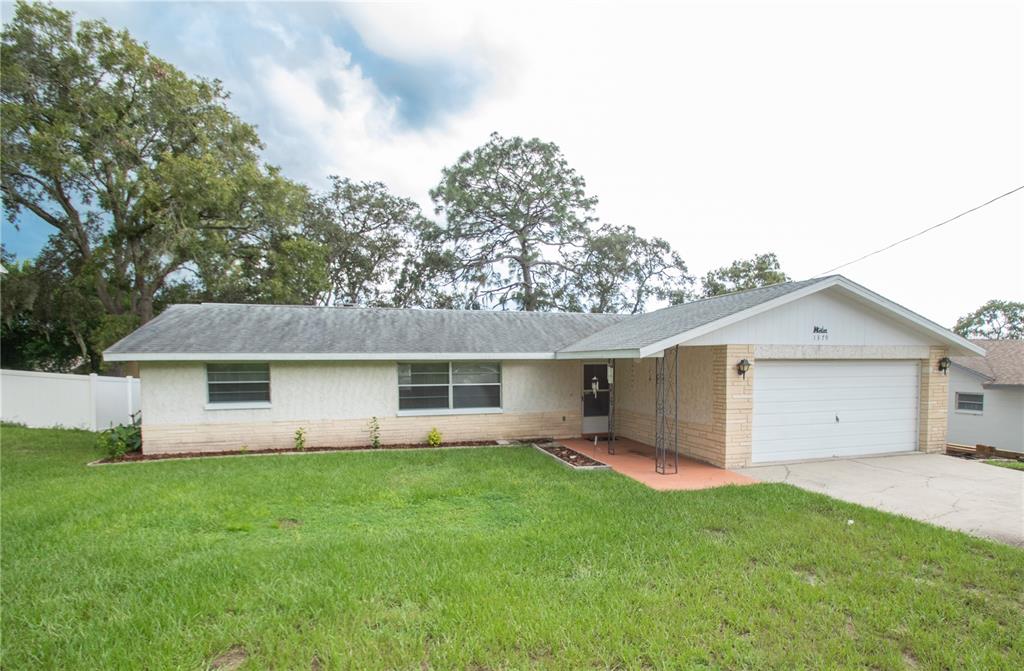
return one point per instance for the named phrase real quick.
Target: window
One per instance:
(460, 385)
(970, 402)
(238, 382)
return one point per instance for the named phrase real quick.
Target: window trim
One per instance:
(969, 411)
(451, 409)
(237, 405)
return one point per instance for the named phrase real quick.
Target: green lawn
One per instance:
(486, 558)
(1005, 463)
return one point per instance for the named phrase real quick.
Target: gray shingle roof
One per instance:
(262, 329)
(1003, 362)
(650, 328)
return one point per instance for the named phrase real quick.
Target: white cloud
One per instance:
(818, 131)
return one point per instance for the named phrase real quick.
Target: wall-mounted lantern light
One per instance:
(944, 364)
(742, 367)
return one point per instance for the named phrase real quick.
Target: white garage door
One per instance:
(821, 409)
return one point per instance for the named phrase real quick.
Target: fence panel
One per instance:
(46, 400)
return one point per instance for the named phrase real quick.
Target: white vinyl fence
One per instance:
(45, 400)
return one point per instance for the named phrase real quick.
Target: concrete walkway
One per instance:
(955, 493)
(636, 460)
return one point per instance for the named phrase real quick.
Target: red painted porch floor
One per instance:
(636, 460)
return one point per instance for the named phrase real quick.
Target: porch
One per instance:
(684, 412)
(636, 460)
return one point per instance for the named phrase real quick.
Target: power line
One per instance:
(919, 233)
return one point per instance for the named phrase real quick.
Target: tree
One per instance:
(619, 271)
(373, 241)
(49, 321)
(513, 208)
(995, 320)
(136, 166)
(760, 271)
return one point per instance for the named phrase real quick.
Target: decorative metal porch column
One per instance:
(666, 412)
(611, 406)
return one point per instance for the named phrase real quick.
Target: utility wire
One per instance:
(919, 233)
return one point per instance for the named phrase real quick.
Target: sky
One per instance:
(820, 131)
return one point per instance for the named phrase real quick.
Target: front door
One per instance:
(595, 406)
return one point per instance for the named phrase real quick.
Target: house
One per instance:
(986, 396)
(813, 369)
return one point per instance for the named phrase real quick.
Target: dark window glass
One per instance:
(423, 398)
(972, 402)
(477, 396)
(238, 382)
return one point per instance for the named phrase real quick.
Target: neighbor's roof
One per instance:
(222, 330)
(212, 331)
(1003, 362)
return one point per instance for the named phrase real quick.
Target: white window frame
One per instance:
(451, 409)
(970, 411)
(237, 405)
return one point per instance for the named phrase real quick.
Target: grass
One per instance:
(487, 558)
(1006, 463)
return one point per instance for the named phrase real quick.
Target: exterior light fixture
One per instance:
(944, 364)
(742, 367)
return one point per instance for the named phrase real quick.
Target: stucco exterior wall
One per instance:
(333, 402)
(1001, 422)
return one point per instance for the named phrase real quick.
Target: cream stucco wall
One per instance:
(334, 400)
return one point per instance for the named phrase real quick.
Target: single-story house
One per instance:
(986, 396)
(813, 369)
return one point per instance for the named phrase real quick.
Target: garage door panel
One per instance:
(849, 416)
(895, 394)
(830, 430)
(796, 405)
(861, 445)
(804, 385)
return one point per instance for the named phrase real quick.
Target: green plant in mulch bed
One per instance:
(118, 441)
(374, 427)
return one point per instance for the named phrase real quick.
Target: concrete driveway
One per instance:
(964, 495)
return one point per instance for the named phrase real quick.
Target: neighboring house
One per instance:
(829, 369)
(986, 396)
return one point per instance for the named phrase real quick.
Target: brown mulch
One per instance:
(570, 456)
(139, 456)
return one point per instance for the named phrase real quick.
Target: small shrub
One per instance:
(300, 439)
(434, 437)
(374, 433)
(118, 441)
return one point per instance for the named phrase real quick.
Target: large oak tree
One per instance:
(139, 169)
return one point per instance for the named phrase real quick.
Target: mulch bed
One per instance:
(139, 456)
(570, 457)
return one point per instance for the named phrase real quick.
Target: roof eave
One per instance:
(323, 356)
(600, 354)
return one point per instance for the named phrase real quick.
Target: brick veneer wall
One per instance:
(934, 403)
(219, 437)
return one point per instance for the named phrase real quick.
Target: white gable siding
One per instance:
(848, 324)
(1000, 424)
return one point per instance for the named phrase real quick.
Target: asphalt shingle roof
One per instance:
(1003, 362)
(257, 329)
(647, 329)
